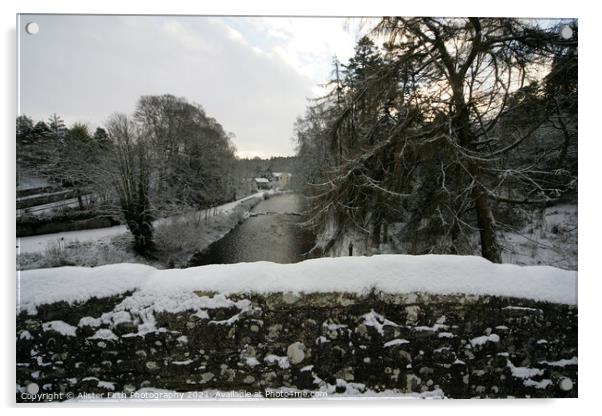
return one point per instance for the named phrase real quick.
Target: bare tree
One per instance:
(130, 176)
(193, 155)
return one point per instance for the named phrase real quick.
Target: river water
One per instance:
(271, 233)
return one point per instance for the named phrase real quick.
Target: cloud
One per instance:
(307, 45)
(185, 36)
(253, 75)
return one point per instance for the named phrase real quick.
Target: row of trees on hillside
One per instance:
(450, 126)
(50, 149)
(167, 157)
(249, 168)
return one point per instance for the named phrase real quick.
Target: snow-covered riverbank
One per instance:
(176, 240)
(549, 238)
(39, 243)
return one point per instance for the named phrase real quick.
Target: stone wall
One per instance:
(373, 344)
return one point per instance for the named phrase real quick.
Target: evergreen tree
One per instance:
(57, 127)
(101, 138)
(437, 130)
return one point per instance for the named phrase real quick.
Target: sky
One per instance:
(254, 75)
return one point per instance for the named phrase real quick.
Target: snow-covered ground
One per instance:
(52, 206)
(173, 288)
(550, 238)
(47, 194)
(26, 182)
(39, 243)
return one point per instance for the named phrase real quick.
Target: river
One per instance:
(271, 233)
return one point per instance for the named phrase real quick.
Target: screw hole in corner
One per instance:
(32, 28)
(566, 32)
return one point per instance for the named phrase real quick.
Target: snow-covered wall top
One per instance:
(436, 274)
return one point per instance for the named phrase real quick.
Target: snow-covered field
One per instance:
(39, 243)
(173, 288)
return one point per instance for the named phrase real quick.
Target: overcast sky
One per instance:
(253, 75)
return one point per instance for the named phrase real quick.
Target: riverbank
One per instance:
(40, 243)
(176, 239)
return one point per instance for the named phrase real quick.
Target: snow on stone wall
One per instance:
(375, 343)
(436, 274)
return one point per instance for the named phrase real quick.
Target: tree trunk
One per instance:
(376, 234)
(489, 245)
(80, 201)
(455, 232)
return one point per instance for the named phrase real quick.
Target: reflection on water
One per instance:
(271, 233)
